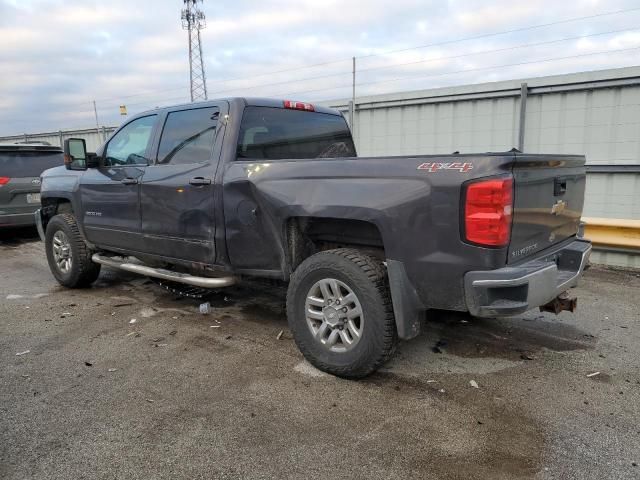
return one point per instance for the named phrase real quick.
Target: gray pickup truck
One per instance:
(210, 193)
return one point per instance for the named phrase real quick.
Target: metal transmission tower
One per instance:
(193, 21)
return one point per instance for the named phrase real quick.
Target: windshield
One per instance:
(278, 133)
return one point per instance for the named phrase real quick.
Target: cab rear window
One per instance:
(277, 133)
(28, 164)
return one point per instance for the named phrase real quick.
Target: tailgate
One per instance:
(548, 201)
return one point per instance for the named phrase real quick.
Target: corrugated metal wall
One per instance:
(94, 137)
(596, 114)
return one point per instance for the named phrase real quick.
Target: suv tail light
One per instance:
(487, 212)
(299, 106)
(4, 180)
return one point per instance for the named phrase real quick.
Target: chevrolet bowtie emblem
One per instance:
(558, 207)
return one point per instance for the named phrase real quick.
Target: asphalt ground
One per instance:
(179, 394)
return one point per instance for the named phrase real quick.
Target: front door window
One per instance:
(129, 145)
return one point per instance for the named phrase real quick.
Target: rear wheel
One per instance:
(339, 310)
(67, 253)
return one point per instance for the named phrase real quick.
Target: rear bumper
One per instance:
(515, 289)
(16, 220)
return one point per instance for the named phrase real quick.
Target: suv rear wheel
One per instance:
(67, 253)
(339, 310)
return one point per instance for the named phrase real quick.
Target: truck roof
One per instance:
(246, 101)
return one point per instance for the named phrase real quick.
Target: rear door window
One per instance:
(28, 164)
(188, 136)
(278, 133)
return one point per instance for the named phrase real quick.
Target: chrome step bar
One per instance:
(130, 265)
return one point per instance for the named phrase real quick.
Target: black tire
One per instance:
(82, 271)
(366, 277)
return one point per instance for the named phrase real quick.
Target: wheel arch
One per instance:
(307, 235)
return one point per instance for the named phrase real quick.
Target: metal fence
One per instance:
(93, 136)
(596, 114)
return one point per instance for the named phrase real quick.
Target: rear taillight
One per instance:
(487, 212)
(298, 106)
(4, 180)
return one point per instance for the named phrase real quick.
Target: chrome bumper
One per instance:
(515, 289)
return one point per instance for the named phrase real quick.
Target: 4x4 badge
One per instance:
(435, 166)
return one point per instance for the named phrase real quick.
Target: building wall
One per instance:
(94, 137)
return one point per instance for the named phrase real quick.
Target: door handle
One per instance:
(200, 181)
(129, 181)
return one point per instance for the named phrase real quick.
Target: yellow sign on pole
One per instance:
(123, 109)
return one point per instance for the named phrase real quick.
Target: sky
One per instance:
(59, 56)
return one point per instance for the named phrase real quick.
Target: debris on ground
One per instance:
(593, 374)
(23, 353)
(112, 370)
(205, 308)
(214, 326)
(148, 312)
(440, 343)
(149, 400)
(173, 332)
(441, 390)
(526, 356)
(474, 384)
(88, 364)
(133, 320)
(26, 376)
(13, 296)
(66, 314)
(431, 381)
(279, 336)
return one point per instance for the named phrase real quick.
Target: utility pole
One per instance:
(352, 103)
(193, 20)
(95, 112)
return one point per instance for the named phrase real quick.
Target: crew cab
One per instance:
(208, 194)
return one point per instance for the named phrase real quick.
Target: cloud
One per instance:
(57, 56)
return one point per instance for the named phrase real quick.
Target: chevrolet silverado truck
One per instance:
(208, 194)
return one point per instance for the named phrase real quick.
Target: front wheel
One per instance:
(339, 310)
(67, 253)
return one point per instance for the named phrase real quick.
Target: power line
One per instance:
(445, 42)
(504, 32)
(465, 70)
(472, 54)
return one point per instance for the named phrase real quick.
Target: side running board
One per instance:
(129, 266)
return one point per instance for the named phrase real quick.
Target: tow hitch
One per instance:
(560, 303)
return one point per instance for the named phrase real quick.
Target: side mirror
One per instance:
(75, 154)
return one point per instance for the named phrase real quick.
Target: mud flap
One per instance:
(407, 307)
